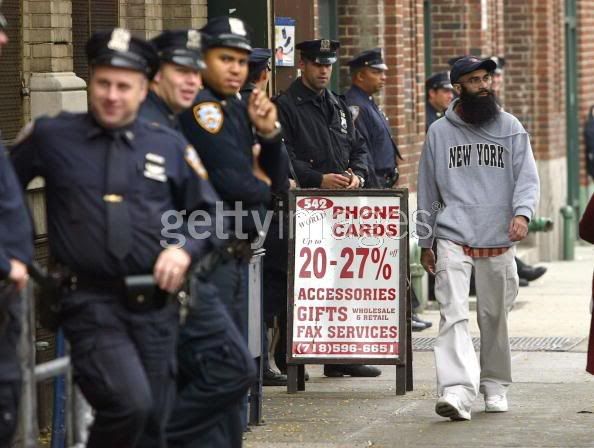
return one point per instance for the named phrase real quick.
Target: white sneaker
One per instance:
(449, 406)
(495, 403)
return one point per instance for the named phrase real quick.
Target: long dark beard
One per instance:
(478, 109)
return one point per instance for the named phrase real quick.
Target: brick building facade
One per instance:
(50, 71)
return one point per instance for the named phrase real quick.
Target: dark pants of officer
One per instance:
(215, 373)
(124, 363)
(231, 280)
(275, 284)
(10, 372)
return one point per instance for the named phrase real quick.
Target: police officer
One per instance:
(325, 148)
(215, 366)
(16, 251)
(258, 72)
(242, 164)
(177, 82)
(275, 262)
(368, 77)
(439, 94)
(113, 183)
(498, 74)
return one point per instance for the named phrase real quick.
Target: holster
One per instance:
(51, 289)
(143, 294)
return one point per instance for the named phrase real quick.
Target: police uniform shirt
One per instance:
(320, 135)
(431, 115)
(156, 110)
(374, 126)
(70, 153)
(220, 130)
(16, 236)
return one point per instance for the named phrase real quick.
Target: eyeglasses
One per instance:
(477, 81)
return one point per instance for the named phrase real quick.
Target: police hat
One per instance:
(181, 47)
(320, 51)
(259, 59)
(3, 22)
(369, 58)
(118, 48)
(469, 64)
(500, 63)
(228, 32)
(439, 80)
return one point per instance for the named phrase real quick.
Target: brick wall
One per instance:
(397, 26)
(535, 72)
(585, 71)
(462, 27)
(179, 14)
(147, 18)
(142, 17)
(47, 36)
(47, 40)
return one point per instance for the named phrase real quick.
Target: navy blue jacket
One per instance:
(320, 135)
(16, 235)
(220, 129)
(155, 110)
(431, 115)
(374, 126)
(70, 153)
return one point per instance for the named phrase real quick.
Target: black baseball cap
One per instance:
(118, 48)
(181, 47)
(320, 51)
(229, 32)
(500, 63)
(468, 64)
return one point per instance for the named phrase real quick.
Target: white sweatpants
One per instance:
(496, 279)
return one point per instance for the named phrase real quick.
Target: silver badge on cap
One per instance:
(325, 45)
(120, 40)
(194, 40)
(237, 26)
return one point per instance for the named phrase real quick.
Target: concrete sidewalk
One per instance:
(551, 400)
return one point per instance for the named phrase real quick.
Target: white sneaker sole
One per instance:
(448, 410)
(496, 408)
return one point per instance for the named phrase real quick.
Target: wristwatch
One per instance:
(272, 134)
(361, 181)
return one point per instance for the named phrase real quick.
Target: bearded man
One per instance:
(477, 191)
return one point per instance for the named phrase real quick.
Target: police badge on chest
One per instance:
(343, 122)
(154, 167)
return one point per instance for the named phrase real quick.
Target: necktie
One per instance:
(119, 237)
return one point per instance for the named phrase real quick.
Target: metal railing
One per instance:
(72, 415)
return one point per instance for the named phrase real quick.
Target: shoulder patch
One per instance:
(354, 112)
(25, 132)
(193, 159)
(209, 116)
